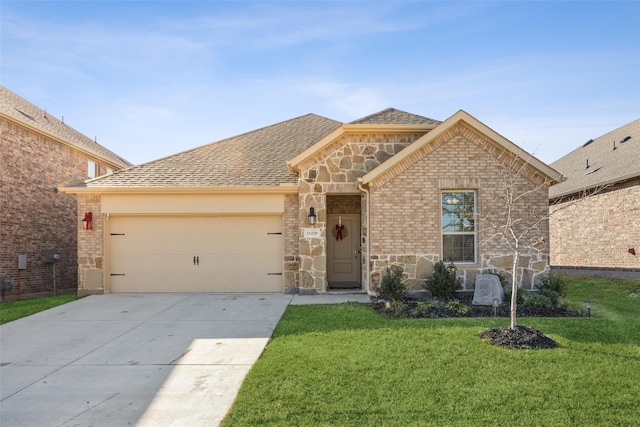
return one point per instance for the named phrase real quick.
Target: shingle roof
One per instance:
(606, 164)
(253, 159)
(14, 106)
(391, 116)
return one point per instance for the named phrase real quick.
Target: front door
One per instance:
(343, 251)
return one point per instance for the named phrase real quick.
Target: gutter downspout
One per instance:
(368, 245)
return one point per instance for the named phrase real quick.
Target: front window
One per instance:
(459, 226)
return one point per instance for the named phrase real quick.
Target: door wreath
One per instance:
(340, 232)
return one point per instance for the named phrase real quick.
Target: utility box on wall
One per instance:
(22, 262)
(51, 255)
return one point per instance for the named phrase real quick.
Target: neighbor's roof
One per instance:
(253, 159)
(18, 109)
(612, 157)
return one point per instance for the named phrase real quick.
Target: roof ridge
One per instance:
(392, 115)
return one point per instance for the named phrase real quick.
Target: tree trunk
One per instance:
(514, 291)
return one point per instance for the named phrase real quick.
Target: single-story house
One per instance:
(594, 213)
(309, 205)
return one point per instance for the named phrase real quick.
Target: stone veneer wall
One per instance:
(597, 232)
(406, 223)
(335, 170)
(90, 249)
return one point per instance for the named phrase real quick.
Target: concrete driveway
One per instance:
(133, 359)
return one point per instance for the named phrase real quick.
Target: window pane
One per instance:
(458, 248)
(92, 170)
(458, 212)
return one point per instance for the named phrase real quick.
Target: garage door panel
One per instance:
(234, 254)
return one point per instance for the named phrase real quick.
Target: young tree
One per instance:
(523, 222)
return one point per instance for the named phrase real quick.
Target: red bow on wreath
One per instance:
(339, 229)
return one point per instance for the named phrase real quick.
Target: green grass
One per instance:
(14, 310)
(343, 365)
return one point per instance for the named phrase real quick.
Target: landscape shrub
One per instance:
(392, 286)
(457, 307)
(443, 281)
(537, 300)
(552, 282)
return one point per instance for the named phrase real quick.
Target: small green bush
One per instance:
(392, 286)
(443, 281)
(552, 282)
(457, 307)
(424, 307)
(537, 300)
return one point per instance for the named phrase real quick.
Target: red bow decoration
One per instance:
(339, 229)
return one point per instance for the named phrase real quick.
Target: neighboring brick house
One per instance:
(39, 153)
(594, 223)
(309, 205)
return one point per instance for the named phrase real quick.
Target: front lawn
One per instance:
(14, 310)
(346, 365)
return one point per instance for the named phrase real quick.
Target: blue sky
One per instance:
(153, 78)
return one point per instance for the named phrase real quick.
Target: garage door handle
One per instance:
(274, 274)
(196, 260)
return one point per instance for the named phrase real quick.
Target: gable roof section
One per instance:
(389, 120)
(606, 164)
(253, 159)
(411, 154)
(392, 116)
(17, 109)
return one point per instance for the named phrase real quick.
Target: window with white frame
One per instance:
(92, 169)
(459, 226)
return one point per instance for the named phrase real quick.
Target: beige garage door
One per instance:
(195, 254)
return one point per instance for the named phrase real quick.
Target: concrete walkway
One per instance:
(137, 359)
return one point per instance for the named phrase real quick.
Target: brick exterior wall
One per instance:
(406, 213)
(34, 216)
(597, 232)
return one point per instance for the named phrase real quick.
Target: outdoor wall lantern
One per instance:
(312, 216)
(588, 303)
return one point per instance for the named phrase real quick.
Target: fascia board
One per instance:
(284, 189)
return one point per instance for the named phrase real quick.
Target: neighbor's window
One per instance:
(459, 226)
(92, 169)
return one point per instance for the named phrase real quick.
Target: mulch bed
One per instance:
(522, 337)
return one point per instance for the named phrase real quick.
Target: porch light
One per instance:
(312, 216)
(588, 303)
